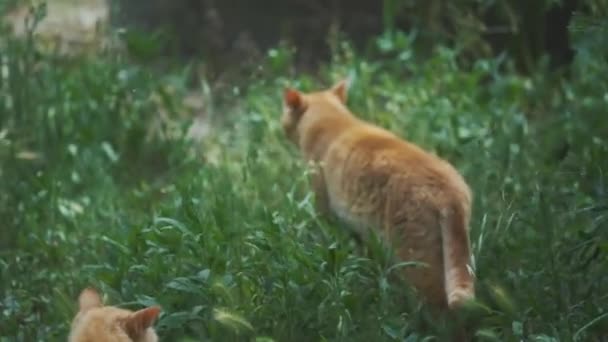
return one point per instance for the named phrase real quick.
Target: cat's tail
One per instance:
(459, 281)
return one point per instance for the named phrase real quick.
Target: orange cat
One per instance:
(98, 323)
(371, 179)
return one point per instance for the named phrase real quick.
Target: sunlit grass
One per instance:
(223, 233)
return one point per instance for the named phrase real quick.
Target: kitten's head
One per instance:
(296, 104)
(96, 322)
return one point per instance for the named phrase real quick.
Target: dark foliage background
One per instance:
(158, 172)
(527, 30)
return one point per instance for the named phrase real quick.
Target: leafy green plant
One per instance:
(100, 185)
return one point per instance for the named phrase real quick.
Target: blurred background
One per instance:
(141, 153)
(225, 32)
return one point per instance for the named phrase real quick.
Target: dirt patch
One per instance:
(68, 28)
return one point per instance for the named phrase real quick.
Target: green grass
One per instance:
(96, 189)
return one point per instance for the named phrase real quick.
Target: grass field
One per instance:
(98, 188)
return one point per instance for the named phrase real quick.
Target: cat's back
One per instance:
(375, 156)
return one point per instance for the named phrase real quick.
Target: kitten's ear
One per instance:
(89, 298)
(293, 99)
(340, 89)
(137, 323)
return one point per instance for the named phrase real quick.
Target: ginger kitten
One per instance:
(371, 179)
(96, 322)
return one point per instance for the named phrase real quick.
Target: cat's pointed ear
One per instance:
(293, 99)
(89, 298)
(340, 89)
(137, 323)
